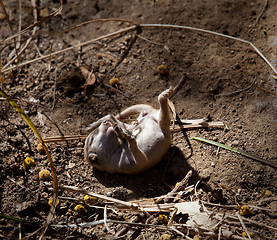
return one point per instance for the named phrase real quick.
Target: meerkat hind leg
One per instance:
(164, 115)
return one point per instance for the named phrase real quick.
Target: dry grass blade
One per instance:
(70, 48)
(27, 42)
(106, 219)
(175, 129)
(38, 23)
(195, 126)
(64, 138)
(100, 196)
(9, 23)
(243, 226)
(270, 163)
(178, 186)
(132, 28)
(97, 20)
(130, 206)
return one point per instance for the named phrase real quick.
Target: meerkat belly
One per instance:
(152, 141)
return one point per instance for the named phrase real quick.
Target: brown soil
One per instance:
(225, 80)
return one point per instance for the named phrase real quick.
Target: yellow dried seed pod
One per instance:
(79, 208)
(114, 81)
(40, 148)
(163, 218)
(245, 234)
(44, 174)
(51, 200)
(245, 211)
(28, 163)
(90, 200)
(163, 70)
(165, 237)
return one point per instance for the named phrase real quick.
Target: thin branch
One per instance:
(27, 42)
(238, 91)
(214, 33)
(149, 26)
(70, 48)
(106, 219)
(175, 129)
(243, 226)
(178, 187)
(261, 13)
(37, 23)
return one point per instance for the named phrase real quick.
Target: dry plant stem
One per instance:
(176, 129)
(64, 138)
(235, 206)
(243, 226)
(151, 226)
(27, 42)
(125, 230)
(178, 187)
(17, 183)
(179, 84)
(97, 20)
(211, 32)
(110, 199)
(70, 48)
(124, 54)
(124, 206)
(106, 218)
(9, 23)
(20, 21)
(260, 15)
(238, 91)
(117, 90)
(37, 23)
(147, 40)
(248, 222)
(131, 29)
(19, 231)
(195, 126)
(56, 125)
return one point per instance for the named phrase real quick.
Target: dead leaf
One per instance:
(89, 76)
(196, 216)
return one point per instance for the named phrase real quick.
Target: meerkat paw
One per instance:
(166, 94)
(128, 136)
(122, 133)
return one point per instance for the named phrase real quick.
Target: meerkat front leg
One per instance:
(96, 124)
(164, 115)
(139, 156)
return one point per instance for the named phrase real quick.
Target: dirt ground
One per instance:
(225, 80)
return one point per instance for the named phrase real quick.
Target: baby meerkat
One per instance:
(117, 147)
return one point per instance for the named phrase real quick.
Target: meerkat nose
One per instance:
(92, 157)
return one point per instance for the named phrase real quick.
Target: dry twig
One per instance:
(178, 187)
